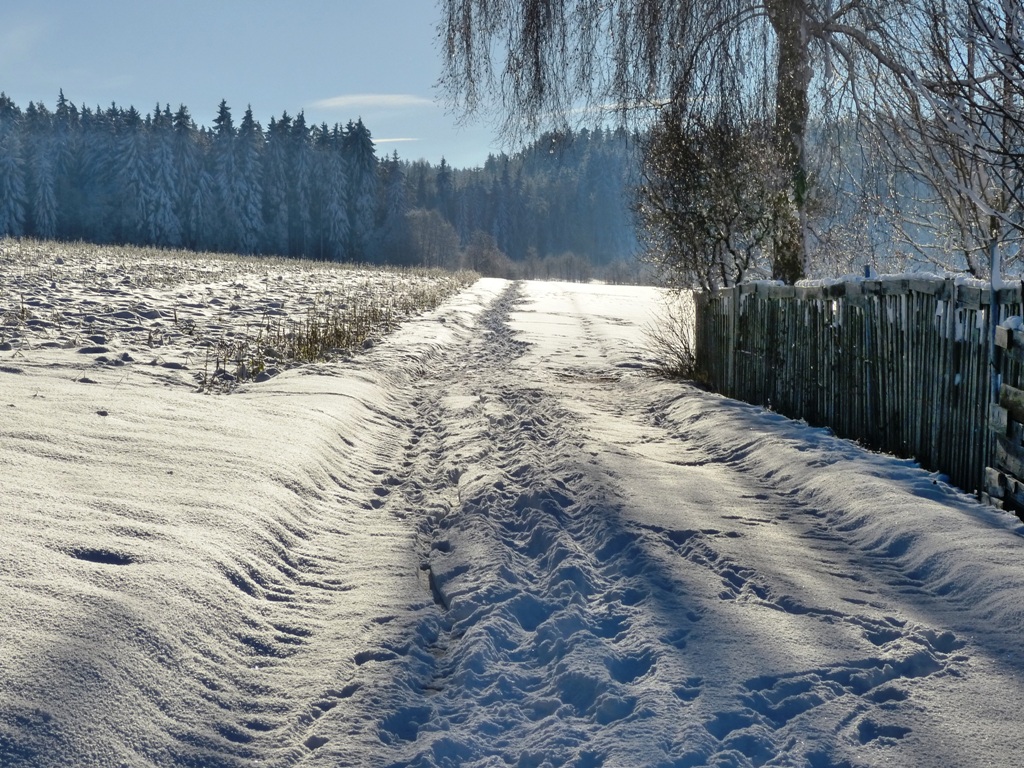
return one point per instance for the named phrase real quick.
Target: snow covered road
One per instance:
(492, 540)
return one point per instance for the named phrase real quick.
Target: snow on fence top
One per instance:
(969, 292)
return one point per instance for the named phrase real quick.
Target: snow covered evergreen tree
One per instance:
(99, 209)
(332, 194)
(12, 170)
(445, 186)
(246, 189)
(66, 149)
(202, 211)
(275, 184)
(361, 162)
(164, 222)
(393, 237)
(501, 209)
(300, 188)
(185, 153)
(134, 186)
(225, 180)
(42, 166)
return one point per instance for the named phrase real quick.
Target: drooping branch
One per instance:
(541, 62)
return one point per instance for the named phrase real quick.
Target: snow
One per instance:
(958, 278)
(492, 539)
(1013, 323)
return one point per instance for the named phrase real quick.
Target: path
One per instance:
(494, 540)
(614, 589)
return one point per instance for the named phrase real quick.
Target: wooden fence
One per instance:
(902, 365)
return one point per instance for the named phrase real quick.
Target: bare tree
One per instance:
(543, 59)
(947, 76)
(709, 201)
(950, 116)
(433, 241)
(483, 255)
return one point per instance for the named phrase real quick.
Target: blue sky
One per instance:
(336, 60)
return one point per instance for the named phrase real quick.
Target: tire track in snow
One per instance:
(565, 631)
(768, 704)
(543, 627)
(861, 690)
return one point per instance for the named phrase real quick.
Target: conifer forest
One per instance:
(557, 208)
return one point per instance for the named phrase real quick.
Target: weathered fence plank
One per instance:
(1012, 400)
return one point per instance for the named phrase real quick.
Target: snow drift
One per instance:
(492, 539)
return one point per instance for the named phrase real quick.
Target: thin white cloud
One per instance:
(392, 141)
(20, 42)
(373, 101)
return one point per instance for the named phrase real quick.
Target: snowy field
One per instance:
(490, 539)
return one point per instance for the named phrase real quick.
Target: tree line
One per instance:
(113, 175)
(564, 197)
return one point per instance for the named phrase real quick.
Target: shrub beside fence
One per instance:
(902, 365)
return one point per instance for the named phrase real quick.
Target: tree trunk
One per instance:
(788, 18)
